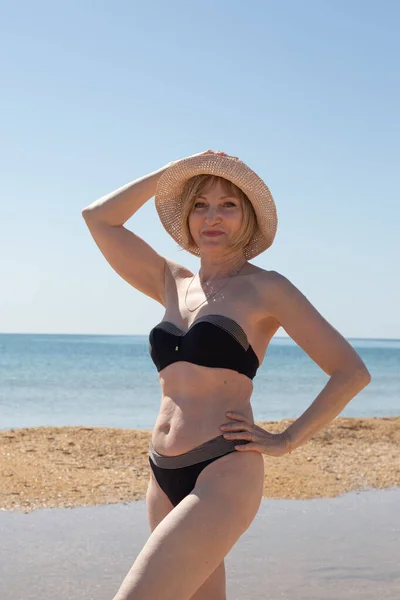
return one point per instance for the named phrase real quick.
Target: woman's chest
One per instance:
(238, 310)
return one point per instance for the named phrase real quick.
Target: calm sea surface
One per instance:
(110, 381)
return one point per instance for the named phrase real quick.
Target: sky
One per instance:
(98, 94)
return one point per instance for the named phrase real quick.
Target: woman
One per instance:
(207, 468)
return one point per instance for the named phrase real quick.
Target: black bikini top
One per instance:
(211, 341)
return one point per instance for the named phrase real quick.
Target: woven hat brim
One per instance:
(168, 197)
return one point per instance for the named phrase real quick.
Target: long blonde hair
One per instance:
(194, 188)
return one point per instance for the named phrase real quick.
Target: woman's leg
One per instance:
(191, 541)
(158, 506)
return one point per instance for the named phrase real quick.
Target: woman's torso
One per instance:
(194, 398)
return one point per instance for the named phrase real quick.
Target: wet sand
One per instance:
(53, 467)
(343, 548)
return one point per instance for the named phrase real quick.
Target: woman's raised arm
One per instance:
(127, 253)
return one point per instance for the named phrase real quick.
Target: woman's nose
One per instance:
(212, 215)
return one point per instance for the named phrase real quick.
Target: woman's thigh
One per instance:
(191, 541)
(158, 506)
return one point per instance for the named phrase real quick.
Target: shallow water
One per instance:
(321, 549)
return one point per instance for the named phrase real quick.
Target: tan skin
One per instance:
(196, 399)
(184, 555)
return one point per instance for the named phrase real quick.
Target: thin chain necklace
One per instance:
(212, 295)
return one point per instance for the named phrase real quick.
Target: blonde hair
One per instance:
(194, 188)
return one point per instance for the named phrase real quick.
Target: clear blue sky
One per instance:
(97, 94)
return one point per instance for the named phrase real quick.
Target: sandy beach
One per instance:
(49, 467)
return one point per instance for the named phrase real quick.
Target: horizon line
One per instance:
(278, 337)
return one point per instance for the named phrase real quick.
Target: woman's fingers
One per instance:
(218, 152)
(235, 415)
(238, 435)
(233, 426)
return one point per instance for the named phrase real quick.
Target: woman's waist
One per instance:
(184, 424)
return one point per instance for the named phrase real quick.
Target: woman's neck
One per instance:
(220, 267)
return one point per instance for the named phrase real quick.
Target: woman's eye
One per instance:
(201, 204)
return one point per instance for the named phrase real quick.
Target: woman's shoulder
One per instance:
(274, 285)
(268, 276)
(282, 297)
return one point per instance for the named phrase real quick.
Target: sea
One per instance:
(110, 381)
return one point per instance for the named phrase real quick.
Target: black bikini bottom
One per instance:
(177, 475)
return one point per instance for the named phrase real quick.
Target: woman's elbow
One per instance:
(357, 372)
(362, 375)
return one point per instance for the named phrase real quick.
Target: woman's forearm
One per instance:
(337, 393)
(119, 206)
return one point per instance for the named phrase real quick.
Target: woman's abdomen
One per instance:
(193, 406)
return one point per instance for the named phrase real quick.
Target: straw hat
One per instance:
(170, 186)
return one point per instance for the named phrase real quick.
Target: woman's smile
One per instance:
(213, 233)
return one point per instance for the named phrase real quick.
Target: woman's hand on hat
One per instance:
(218, 152)
(259, 440)
(173, 162)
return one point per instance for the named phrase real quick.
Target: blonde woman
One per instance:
(206, 453)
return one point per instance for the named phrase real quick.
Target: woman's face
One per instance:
(215, 218)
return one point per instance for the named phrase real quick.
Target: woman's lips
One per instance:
(213, 233)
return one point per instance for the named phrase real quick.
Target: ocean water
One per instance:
(110, 381)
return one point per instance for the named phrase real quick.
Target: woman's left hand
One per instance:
(260, 440)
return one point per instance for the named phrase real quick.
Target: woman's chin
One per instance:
(209, 244)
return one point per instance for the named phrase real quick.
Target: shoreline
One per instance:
(66, 467)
